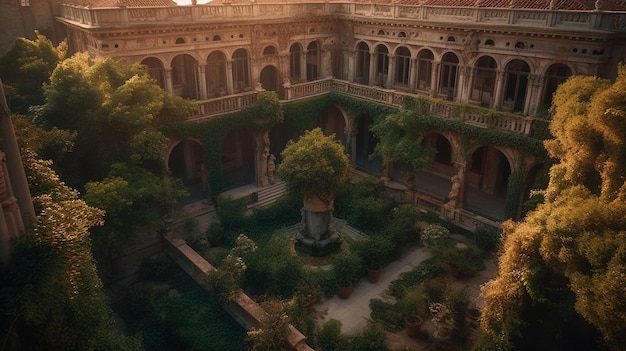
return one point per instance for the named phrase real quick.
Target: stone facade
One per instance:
(505, 55)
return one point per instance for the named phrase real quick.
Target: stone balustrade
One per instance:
(442, 109)
(225, 12)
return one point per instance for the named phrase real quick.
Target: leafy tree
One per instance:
(51, 297)
(401, 142)
(315, 165)
(114, 108)
(25, 66)
(564, 266)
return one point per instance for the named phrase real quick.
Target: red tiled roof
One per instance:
(121, 3)
(570, 5)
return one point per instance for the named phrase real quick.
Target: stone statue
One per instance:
(454, 191)
(271, 168)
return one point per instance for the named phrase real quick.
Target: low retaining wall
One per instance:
(243, 309)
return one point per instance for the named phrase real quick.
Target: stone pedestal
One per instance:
(317, 235)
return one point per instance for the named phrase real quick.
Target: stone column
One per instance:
(497, 101)
(372, 74)
(169, 86)
(303, 64)
(202, 80)
(460, 86)
(350, 54)
(391, 67)
(413, 74)
(434, 78)
(531, 93)
(539, 89)
(229, 77)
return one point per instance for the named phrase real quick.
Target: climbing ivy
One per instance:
(300, 116)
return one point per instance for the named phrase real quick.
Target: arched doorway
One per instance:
(365, 144)
(238, 164)
(486, 182)
(185, 163)
(331, 121)
(269, 78)
(184, 77)
(435, 180)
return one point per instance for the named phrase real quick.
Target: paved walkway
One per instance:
(354, 312)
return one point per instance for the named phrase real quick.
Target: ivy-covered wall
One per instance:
(300, 116)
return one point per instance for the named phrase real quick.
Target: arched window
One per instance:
(448, 75)
(484, 81)
(403, 62)
(154, 66)
(269, 50)
(424, 70)
(382, 64)
(556, 74)
(312, 61)
(216, 74)
(362, 71)
(295, 61)
(241, 71)
(516, 82)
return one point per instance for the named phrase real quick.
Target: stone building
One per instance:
(501, 60)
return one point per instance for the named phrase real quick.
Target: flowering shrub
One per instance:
(442, 318)
(433, 234)
(226, 280)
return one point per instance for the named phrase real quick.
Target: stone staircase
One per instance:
(269, 194)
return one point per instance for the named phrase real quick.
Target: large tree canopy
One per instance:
(567, 259)
(25, 66)
(315, 165)
(401, 141)
(51, 297)
(109, 105)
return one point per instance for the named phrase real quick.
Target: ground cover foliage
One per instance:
(173, 312)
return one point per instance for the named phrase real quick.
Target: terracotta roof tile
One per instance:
(121, 3)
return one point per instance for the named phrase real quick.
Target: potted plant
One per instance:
(414, 306)
(374, 251)
(346, 267)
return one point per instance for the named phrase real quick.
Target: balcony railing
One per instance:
(476, 116)
(226, 12)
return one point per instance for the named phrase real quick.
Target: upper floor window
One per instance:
(25, 3)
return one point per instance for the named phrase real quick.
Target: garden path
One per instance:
(354, 311)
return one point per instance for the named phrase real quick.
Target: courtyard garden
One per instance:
(275, 274)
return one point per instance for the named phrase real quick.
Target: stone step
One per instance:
(269, 195)
(345, 229)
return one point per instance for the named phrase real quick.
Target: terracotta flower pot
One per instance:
(373, 274)
(413, 327)
(344, 292)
